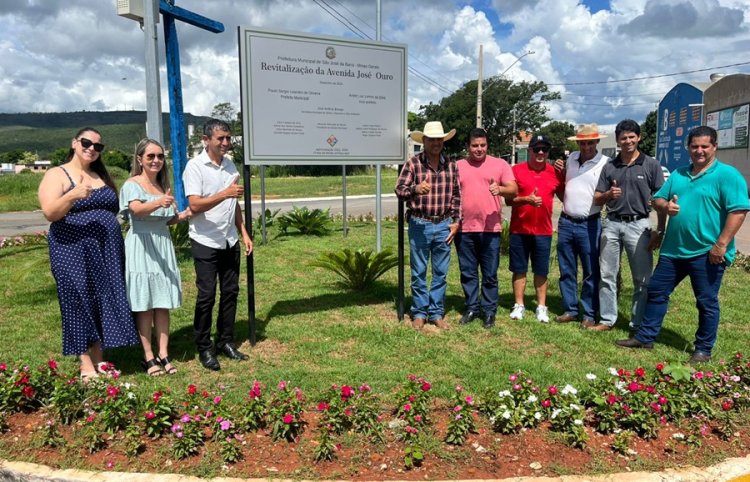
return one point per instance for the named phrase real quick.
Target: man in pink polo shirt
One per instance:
(531, 225)
(484, 180)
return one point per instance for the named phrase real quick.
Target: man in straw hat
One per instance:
(579, 227)
(429, 185)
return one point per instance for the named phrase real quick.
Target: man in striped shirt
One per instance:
(429, 185)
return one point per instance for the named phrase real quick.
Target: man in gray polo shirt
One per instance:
(626, 185)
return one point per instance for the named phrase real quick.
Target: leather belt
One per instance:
(627, 218)
(432, 219)
(579, 220)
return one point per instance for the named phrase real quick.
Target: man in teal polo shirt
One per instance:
(706, 202)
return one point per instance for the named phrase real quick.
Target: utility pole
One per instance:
(154, 129)
(479, 85)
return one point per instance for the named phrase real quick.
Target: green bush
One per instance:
(306, 221)
(359, 269)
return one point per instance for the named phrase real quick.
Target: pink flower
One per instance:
(282, 385)
(457, 408)
(426, 386)
(157, 396)
(288, 418)
(612, 399)
(112, 391)
(186, 418)
(225, 425)
(412, 398)
(109, 465)
(217, 400)
(552, 390)
(469, 399)
(90, 418)
(418, 418)
(407, 408)
(698, 375)
(517, 387)
(3, 367)
(150, 415)
(633, 386)
(323, 406)
(412, 378)
(364, 388)
(655, 407)
(52, 364)
(662, 400)
(459, 388)
(255, 391)
(179, 434)
(546, 403)
(513, 377)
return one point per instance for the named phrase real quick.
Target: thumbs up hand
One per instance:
(167, 199)
(425, 186)
(494, 187)
(615, 191)
(82, 189)
(234, 189)
(673, 209)
(534, 199)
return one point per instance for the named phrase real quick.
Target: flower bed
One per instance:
(400, 433)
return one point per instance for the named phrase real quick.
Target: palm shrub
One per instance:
(306, 221)
(358, 269)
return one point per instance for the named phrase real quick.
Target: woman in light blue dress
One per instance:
(151, 272)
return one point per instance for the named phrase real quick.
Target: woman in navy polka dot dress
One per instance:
(87, 254)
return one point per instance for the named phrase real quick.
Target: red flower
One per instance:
(640, 372)
(727, 405)
(412, 398)
(112, 391)
(3, 367)
(288, 418)
(426, 386)
(323, 406)
(192, 389)
(660, 366)
(348, 412)
(656, 407)
(612, 399)
(417, 418)
(662, 400)
(255, 391)
(650, 389)
(346, 392)
(407, 407)
(552, 390)
(698, 375)
(27, 391)
(634, 386)
(52, 364)
(546, 403)
(205, 394)
(157, 396)
(150, 415)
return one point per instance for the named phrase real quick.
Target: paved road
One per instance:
(13, 224)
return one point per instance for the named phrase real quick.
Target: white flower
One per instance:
(555, 413)
(613, 372)
(492, 419)
(538, 415)
(678, 436)
(506, 415)
(620, 385)
(574, 407)
(569, 390)
(131, 395)
(504, 393)
(590, 376)
(532, 398)
(578, 421)
(127, 386)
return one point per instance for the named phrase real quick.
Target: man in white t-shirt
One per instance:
(579, 227)
(212, 189)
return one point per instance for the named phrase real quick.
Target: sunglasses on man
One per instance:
(540, 149)
(86, 143)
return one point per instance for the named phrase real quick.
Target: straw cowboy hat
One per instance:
(587, 132)
(433, 130)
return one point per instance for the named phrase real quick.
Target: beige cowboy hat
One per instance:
(587, 132)
(433, 130)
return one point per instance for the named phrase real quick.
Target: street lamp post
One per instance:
(479, 83)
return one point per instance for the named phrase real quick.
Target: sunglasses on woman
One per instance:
(85, 143)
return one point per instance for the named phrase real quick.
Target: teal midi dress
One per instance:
(152, 276)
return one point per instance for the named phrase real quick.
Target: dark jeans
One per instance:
(479, 250)
(706, 281)
(210, 264)
(579, 240)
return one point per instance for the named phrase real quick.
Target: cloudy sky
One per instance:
(79, 55)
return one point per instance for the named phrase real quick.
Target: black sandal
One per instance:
(164, 362)
(152, 363)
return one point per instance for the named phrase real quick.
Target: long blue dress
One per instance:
(87, 257)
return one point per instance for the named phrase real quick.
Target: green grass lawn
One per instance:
(19, 192)
(314, 332)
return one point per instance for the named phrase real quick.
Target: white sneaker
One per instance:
(517, 312)
(541, 314)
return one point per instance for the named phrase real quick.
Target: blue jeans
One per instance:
(480, 250)
(427, 243)
(706, 281)
(579, 240)
(633, 237)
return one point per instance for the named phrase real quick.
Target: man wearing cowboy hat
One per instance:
(579, 227)
(626, 186)
(429, 185)
(484, 179)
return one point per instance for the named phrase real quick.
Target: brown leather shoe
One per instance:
(633, 343)
(588, 323)
(565, 318)
(600, 327)
(417, 323)
(442, 324)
